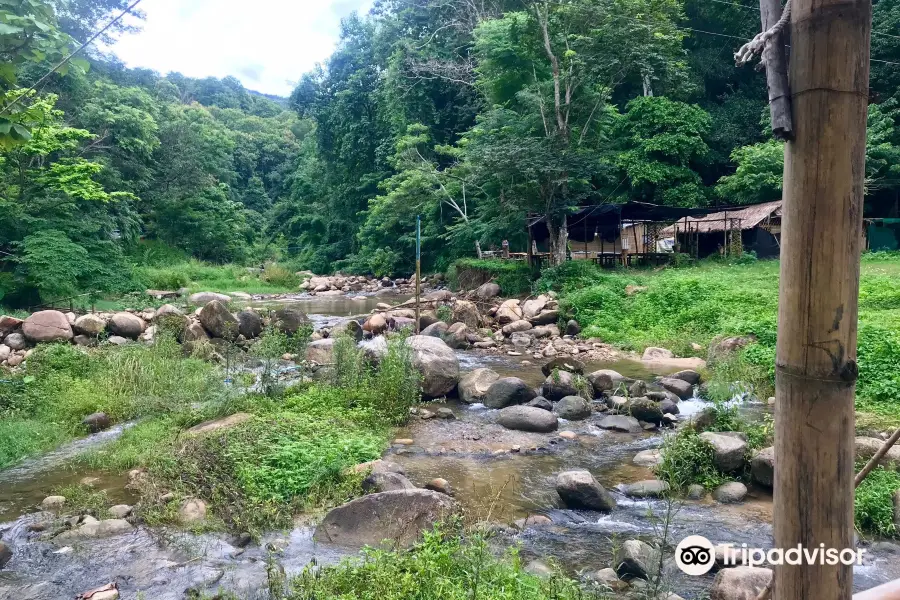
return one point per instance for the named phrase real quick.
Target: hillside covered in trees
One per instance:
(471, 114)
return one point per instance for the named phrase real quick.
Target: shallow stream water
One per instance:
(492, 481)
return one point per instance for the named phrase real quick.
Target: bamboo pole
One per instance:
(816, 367)
(418, 274)
(776, 74)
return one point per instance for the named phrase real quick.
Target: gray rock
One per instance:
(637, 389)
(730, 493)
(466, 312)
(44, 326)
(649, 488)
(437, 330)
(573, 328)
(6, 554)
(321, 351)
(436, 362)
(473, 386)
(218, 321)
(91, 529)
(638, 560)
(53, 502)
(579, 489)
(546, 317)
(440, 485)
(120, 511)
(90, 325)
(620, 423)
(532, 307)
(527, 418)
(720, 348)
(740, 583)
(696, 491)
(558, 385)
(648, 458)
(866, 447)
(679, 387)
(540, 402)
(204, 298)
(652, 353)
(508, 391)
(117, 340)
(488, 290)
(250, 324)
(290, 319)
(563, 363)
(126, 325)
(516, 327)
(688, 375)
(15, 341)
(644, 409)
(604, 380)
(608, 579)
(730, 450)
(668, 407)
(398, 517)
(385, 481)
(445, 413)
(762, 467)
(573, 408)
(508, 312)
(457, 336)
(95, 422)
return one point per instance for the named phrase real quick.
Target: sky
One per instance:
(267, 44)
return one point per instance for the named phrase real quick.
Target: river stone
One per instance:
(679, 387)
(644, 409)
(540, 402)
(91, 325)
(53, 502)
(604, 380)
(192, 510)
(321, 351)
(573, 328)
(5, 352)
(473, 386)
(563, 363)
(762, 467)
(637, 389)
(376, 324)
(532, 521)
(91, 528)
(488, 290)
(608, 579)
(558, 385)
(579, 489)
(5, 554)
(437, 330)
(507, 391)
(730, 450)
(45, 326)
(508, 312)
(250, 324)
(218, 321)
(126, 325)
(696, 491)
(649, 488)
(651, 354)
(533, 307)
(466, 312)
(516, 327)
(648, 458)
(15, 341)
(290, 319)
(866, 447)
(638, 560)
(8, 324)
(546, 317)
(740, 583)
(620, 423)
(527, 418)
(668, 407)
(204, 298)
(457, 336)
(730, 493)
(690, 376)
(385, 481)
(398, 516)
(95, 422)
(426, 319)
(573, 408)
(437, 363)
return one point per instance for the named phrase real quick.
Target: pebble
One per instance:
(53, 502)
(514, 353)
(445, 413)
(403, 442)
(568, 435)
(516, 448)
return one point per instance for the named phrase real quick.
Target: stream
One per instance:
(498, 475)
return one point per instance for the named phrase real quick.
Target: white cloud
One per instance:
(267, 44)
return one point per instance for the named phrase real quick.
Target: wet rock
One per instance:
(436, 362)
(696, 492)
(740, 583)
(668, 407)
(92, 528)
(608, 579)
(290, 319)
(487, 291)
(457, 336)
(385, 481)
(620, 423)
(218, 321)
(730, 450)
(651, 354)
(649, 488)
(508, 312)
(321, 351)
(45, 326)
(605, 380)
(540, 402)
(437, 330)
(376, 324)
(679, 387)
(53, 502)
(573, 408)
(379, 466)
(573, 328)
(438, 484)
(250, 324)
(192, 510)
(637, 389)
(204, 298)
(90, 325)
(219, 424)
(648, 458)
(6, 554)
(527, 418)
(644, 409)
(508, 391)
(110, 591)
(532, 521)
(730, 493)
(638, 560)
(690, 376)
(516, 327)
(466, 312)
(399, 517)
(579, 489)
(762, 467)
(95, 422)
(563, 363)
(473, 386)
(558, 385)
(120, 511)
(445, 413)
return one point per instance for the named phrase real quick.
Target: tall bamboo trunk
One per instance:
(559, 239)
(817, 320)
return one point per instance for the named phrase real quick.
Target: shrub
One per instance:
(280, 276)
(688, 459)
(874, 507)
(513, 277)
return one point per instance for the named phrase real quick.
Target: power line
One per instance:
(68, 58)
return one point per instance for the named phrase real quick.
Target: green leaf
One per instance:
(28, 379)
(21, 132)
(80, 63)
(7, 29)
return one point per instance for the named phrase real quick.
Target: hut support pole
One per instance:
(816, 367)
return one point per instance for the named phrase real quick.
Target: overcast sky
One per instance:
(267, 44)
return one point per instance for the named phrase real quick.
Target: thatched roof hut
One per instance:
(744, 218)
(759, 226)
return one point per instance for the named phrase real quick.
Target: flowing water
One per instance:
(497, 475)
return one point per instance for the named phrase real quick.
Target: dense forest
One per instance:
(471, 113)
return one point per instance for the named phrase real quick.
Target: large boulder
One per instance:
(488, 290)
(45, 326)
(762, 467)
(90, 325)
(527, 418)
(457, 336)
(204, 298)
(533, 307)
(218, 321)
(730, 493)
(385, 481)
(508, 312)
(193, 332)
(679, 387)
(545, 317)
(558, 385)
(437, 363)
(508, 391)
(620, 423)
(729, 448)
(573, 408)
(688, 375)
(651, 354)
(473, 386)
(563, 363)
(376, 324)
(290, 319)
(644, 409)
(605, 380)
(579, 489)
(466, 312)
(866, 448)
(740, 583)
(250, 324)
(126, 325)
(516, 327)
(438, 330)
(321, 351)
(638, 559)
(397, 516)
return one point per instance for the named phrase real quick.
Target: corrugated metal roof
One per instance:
(747, 217)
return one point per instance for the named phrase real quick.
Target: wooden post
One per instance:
(530, 243)
(776, 74)
(816, 367)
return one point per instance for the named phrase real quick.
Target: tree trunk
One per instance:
(478, 249)
(559, 240)
(816, 372)
(776, 74)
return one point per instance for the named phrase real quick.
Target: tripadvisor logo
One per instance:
(695, 555)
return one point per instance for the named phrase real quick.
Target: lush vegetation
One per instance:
(513, 277)
(874, 504)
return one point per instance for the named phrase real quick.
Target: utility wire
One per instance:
(69, 57)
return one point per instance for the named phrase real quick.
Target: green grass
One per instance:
(84, 500)
(513, 277)
(445, 566)
(874, 506)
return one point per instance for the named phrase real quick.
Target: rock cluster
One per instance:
(336, 285)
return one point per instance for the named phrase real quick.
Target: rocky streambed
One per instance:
(506, 477)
